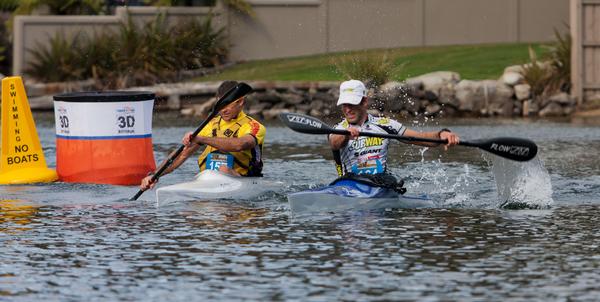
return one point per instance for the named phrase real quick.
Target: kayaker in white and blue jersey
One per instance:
(368, 155)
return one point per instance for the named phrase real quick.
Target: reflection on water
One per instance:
(15, 215)
(83, 242)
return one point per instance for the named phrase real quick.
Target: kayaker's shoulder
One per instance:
(383, 120)
(343, 124)
(254, 123)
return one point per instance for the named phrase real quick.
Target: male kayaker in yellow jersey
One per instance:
(233, 142)
(368, 155)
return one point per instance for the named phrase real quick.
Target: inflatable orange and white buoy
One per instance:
(104, 137)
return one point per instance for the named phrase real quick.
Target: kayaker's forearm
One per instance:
(183, 156)
(226, 144)
(430, 135)
(337, 142)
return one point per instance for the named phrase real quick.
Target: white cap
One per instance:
(352, 92)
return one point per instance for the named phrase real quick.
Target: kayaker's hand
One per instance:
(451, 137)
(187, 139)
(147, 183)
(354, 132)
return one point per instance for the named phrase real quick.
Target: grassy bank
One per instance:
(470, 61)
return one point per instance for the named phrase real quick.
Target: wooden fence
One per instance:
(585, 63)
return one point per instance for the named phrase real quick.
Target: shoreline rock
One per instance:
(435, 94)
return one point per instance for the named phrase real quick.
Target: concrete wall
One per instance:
(29, 31)
(285, 28)
(341, 25)
(277, 30)
(359, 24)
(466, 22)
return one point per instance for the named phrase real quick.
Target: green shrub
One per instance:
(60, 61)
(134, 55)
(143, 55)
(8, 5)
(536, 74)
(99, 57)
(4, 44)
(60, 7)
(5, 49)
(560, 59)
(372, 69)
(197, 45)
(555, 74)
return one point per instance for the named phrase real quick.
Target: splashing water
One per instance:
(521, 185)
(447, 189)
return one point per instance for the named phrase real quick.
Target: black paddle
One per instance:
(518, 149)
(229, 97)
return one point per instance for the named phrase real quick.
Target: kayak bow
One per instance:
(212, 185)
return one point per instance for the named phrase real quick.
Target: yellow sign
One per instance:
(21, 156)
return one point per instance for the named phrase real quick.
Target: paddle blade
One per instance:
(238, 91)
(304, 123)
(518, 149)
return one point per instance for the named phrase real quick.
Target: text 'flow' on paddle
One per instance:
(513, 148)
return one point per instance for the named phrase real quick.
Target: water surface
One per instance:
(74, 242)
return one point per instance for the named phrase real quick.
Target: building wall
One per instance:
(359, 24)
(286, 28)
(342, 25)
(467, 22)
(277, 30)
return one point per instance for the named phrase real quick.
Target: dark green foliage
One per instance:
(8, 5)
(99, 55)
(61, 60)
(560, 59)
(553, 75)
(197, 45)
(5, 47)
(134, 55)
(371, 68)
(59, 7)
(143, 55)
(536, 74)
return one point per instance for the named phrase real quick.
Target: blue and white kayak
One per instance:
(348, 194)
(215, 185)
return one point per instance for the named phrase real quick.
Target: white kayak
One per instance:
(213, 185)
(348, 194)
